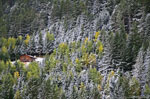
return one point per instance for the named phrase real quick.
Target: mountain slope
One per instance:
(92, 48)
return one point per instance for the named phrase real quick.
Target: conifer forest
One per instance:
(74, 49)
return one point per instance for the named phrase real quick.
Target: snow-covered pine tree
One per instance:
(18, 46)
(147, 66)
(40, 44)
(105, 62)
(132, 47)
(49, 42)
(118, 50)
(139, 69)
(32, 45)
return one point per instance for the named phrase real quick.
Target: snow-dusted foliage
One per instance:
(85, 49)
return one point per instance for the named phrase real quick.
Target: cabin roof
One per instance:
(28, 55)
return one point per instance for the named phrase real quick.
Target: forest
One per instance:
(90, 49)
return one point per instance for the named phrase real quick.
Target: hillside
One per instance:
(91, 49)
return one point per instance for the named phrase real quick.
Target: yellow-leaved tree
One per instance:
(96, 35)
(100, 47)
(11, 42)
(4, 54)
(26, 41)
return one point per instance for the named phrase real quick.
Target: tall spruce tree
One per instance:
(40, 45)
(138, 67)
(118, 49)
(133, 46)
(33, 45)
(49, 42)
(147, 65)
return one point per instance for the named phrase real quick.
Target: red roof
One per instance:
(26, 58)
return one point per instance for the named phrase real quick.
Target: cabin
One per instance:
(27, 58)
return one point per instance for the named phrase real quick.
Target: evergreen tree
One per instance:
(145, 4)
(147, 28)
(147, 66)
(139, 63)
(133, 46)
(49, 42)
(32, 45)
(7, 83)
(18, 46)
(56, 10)
(32, 88)
(62, 8)
(118, 50)
(1, 8)
(41, 44)
(139, 68)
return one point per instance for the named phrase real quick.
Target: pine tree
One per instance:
(32, 45)
(7, 84)
(118, 49)
(1, 8)
(62, 8)
(49, 42)
(32, 88)
(147, 66)
(139, 63)
(147, 31)
(145, 4)
(56, 10)
(67, 7)
(41, 44)
(139, 69)
(133, 45)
